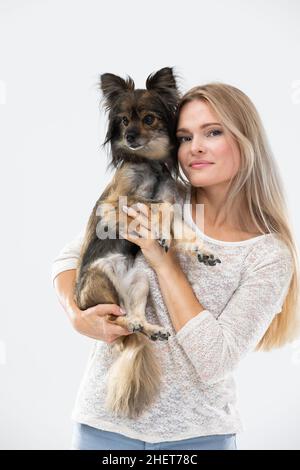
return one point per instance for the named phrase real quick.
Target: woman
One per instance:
(216, 314)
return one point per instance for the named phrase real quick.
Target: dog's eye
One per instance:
(148, 119)
(125, 121)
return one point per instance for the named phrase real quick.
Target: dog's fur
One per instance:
(143, 154)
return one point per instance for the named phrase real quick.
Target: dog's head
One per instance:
(141, 121)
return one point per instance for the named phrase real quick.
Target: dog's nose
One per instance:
(130, 137)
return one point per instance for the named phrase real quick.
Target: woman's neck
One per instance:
(214, 216)
(213, 200)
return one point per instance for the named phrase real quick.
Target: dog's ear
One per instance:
(164, 83)
(113, 86)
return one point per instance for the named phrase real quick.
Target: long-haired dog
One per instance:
(141, 133)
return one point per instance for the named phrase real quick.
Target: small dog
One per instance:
(141, 133)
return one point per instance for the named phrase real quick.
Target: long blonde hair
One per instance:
(259, 182)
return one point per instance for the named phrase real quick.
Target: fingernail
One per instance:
(122, 311)
(125, 208)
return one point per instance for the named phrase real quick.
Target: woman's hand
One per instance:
(94, 322)
(145, 239)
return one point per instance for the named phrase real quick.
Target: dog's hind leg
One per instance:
(132, 286)
(137, 284)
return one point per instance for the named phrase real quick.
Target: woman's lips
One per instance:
(200, 165)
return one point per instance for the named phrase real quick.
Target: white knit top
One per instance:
(241, 296)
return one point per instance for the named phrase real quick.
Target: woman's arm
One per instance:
(64, 284)
(64, 275)
(215, 346)
(178, 295)
(92, 322)
(67, 258)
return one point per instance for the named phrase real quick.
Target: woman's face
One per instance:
(202, 137)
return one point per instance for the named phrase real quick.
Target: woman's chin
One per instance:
(199, 181)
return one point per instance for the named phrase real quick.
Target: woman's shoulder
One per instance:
(270, 250)
(272, 242)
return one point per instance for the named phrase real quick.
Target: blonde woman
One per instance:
(216, 315)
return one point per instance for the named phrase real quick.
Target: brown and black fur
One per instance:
(143, 152)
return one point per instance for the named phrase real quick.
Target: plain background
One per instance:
(53, 169)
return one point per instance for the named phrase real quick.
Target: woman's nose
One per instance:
(197, 145)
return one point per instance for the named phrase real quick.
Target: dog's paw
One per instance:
(165, 243)
(208, 259)
(162, 335)
(135, 326)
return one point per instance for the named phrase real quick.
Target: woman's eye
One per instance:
(148, 119)
(182, 139)
(125, 121)
(215, 132)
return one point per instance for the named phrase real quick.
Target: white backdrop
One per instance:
(51, 54)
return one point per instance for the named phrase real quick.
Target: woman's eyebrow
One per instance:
(182, 129)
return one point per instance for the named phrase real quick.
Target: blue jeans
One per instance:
(89, 438)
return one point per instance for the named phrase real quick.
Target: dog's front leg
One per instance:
(185, 239)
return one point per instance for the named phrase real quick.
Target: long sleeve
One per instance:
(68, 257)
(216, 345)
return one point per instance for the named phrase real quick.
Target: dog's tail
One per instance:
(133, 379)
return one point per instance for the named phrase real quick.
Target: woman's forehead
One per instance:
(196, 113)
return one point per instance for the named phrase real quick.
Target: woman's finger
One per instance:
(153, 219)
(140, 234)
(116, 329)
(143, 209)
(102, 310)
(142, 221)
(132, 238)
(137, 216)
